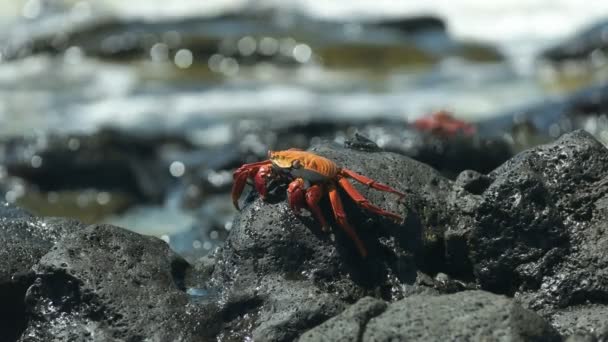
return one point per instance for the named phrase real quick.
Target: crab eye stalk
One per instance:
(296, 164)
(269, 154)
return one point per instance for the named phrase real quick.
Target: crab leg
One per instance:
(313, 196)
(295, 195)
(245, 172)
(298, 197)
(340, 215)
(369, 182)
(364, 202)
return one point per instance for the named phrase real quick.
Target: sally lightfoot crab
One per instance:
(310, 176)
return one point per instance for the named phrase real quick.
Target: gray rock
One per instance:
(538, 229)
(282, 275)
(464, 316)
(292, 307)
(581, 46)
(106, 283)
(581, 337)
(24, 240)
(583, 319)
(349, 325)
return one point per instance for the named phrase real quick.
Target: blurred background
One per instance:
(137, 112)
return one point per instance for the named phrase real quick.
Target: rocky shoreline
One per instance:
(515, 254)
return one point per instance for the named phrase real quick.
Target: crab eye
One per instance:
(295, 164)
(269, 154)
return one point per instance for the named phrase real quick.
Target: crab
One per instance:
(444, 124)
(310, 176)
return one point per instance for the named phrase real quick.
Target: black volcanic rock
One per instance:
(466, 316)
(106, 283)
(348, 325)
(24, 240)
(536, 227)
(583, 319)
(283, 275)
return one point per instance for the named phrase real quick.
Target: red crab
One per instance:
(444, 124)
(310, 176)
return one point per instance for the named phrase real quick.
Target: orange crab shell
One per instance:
(304, 164)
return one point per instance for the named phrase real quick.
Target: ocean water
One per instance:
(75, 92)
(519, 27)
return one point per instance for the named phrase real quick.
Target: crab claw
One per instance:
(240, 177)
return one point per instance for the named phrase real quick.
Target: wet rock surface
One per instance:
(104, 282)
(466, 315)
(587, 320)
(24, 240)
(536, 228)
(469, 315)
(61, 280)
(348, 325)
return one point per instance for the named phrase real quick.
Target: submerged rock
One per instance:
(467, 316)
(24, 240)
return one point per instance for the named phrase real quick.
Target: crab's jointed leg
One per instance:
(299, 197)
(313, 196)
(340, 215)
(258, 171)
(369, 182)
(296, 195)
(364, 202)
